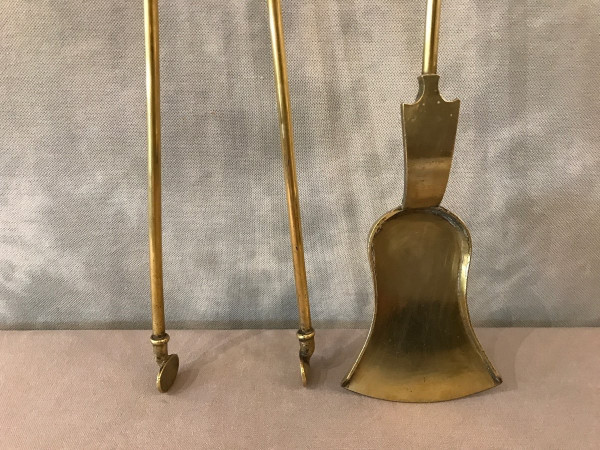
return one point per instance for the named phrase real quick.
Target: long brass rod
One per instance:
(289, 162)
(154, 169)
(432, 28)
(169, 364)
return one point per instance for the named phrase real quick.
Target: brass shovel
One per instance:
(422, 346)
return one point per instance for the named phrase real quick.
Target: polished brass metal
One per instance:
(421, 346)
(306, 334)
(168, 364)
(432, 28)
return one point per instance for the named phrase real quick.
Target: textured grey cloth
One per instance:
(73, 228)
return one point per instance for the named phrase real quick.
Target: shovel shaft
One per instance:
(154, 175)
(289, 163)
(432, 28)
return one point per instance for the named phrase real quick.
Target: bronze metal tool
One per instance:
(169, 364)
(421, 346)
(306, 334)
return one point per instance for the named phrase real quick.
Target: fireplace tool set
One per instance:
(421, 346)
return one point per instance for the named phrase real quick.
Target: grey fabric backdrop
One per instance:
(73, 242)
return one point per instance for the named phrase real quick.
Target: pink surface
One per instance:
(241, 389)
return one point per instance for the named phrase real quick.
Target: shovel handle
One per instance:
(432, 28)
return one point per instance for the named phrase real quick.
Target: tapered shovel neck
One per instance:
(429, 129)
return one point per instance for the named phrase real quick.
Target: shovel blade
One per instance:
(421, 346)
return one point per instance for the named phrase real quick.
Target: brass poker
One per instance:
(169, 364)
(305, 334)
